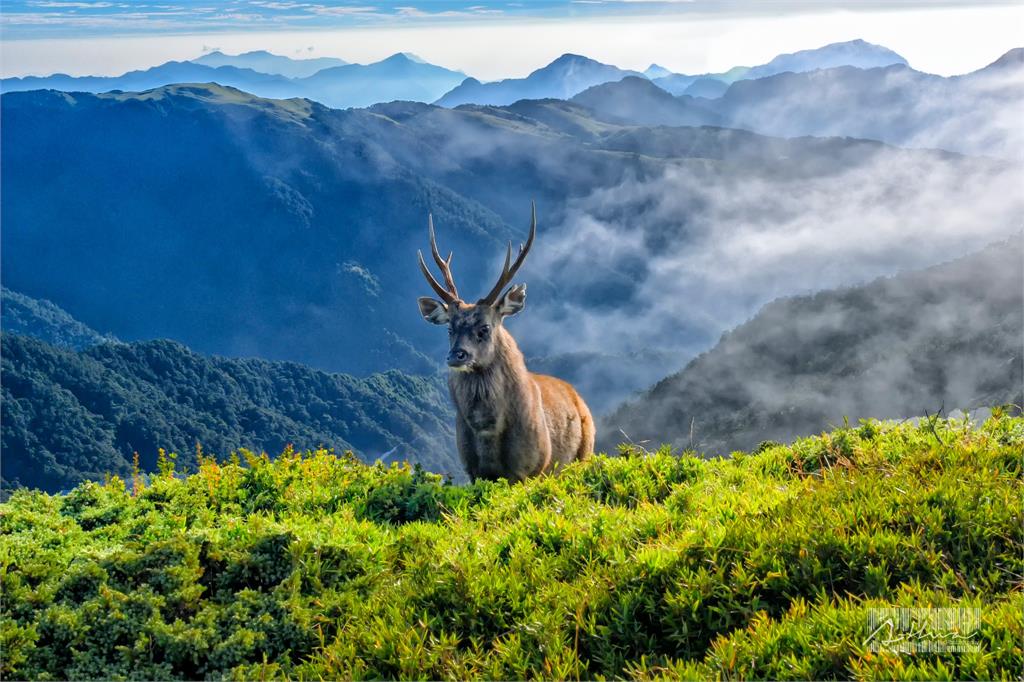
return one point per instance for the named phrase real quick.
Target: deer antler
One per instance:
(448, 294)
(508, 273)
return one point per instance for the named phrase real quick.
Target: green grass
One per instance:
(647, 565)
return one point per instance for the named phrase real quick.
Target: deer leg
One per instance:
(466, 443)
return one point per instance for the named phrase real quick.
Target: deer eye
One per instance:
(483, 332)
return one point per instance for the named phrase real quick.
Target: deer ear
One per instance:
(513, 301)
(433, 311)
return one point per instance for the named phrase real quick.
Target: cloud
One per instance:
(672, 261)
(417, 13)
(323, 10)
(72, 5)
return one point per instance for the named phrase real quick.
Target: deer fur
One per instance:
(510, 423)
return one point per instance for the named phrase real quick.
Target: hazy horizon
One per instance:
(486, 40)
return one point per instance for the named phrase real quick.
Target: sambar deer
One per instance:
(510, 423)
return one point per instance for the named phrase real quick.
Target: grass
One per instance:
(644, 566)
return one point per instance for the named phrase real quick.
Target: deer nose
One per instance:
(457, 357)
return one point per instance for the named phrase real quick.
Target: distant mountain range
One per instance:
(856, 53)
(947, 337)
(265, 62)
(561, 79)
(399, 77)
(155, 77)
(406, 77)
(852, 89)
(242, 226)
(77, 409)
(571, 74)
(976, 113)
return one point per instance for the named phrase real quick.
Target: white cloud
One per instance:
(683, 256)
(340, 11)
(71, 5)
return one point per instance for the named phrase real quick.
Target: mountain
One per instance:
(285, 230)
(70, 416)
(26, 316)
(166, 74)
(974, 114)
(679, 84)
(856, 53)
(638, 101)
(275, 252)
(708, 88)
(656, 71)
(265, 62)
(971, 114)
(561, 79)
(399, 77)
(944, 337)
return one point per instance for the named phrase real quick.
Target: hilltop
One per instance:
(649, 565)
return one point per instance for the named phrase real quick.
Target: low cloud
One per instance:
(671, 262)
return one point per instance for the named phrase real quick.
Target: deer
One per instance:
(510, 423)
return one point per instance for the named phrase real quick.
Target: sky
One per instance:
(492, 40)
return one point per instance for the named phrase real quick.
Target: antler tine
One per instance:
(440, 290)
(444, 265)
(508, 273)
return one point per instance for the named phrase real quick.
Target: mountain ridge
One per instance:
(562, 78)
(896, 347)
(266, 62)
(341, 86)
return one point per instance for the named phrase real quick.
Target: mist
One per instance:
(933, 341)
(669, 263)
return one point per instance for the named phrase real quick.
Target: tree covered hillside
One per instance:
(766, 566)
(945, 337)
(27, 316)
(69, 416)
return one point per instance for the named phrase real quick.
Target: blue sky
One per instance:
(26, 19)
(81, 18)
(495, 39)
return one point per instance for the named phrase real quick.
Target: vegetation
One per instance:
(648, 565)
(69, 416)
(43, 320)
(897, 347)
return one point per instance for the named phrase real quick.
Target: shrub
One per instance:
(649, 565)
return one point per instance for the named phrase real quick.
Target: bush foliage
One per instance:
(647, 565)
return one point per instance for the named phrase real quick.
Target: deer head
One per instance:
(472, 327)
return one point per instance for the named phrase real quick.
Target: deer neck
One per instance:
(491, 393)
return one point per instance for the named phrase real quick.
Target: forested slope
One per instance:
(69, 416)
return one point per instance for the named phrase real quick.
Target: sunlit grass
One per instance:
(646, 565)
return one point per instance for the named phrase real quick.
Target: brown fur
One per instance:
(514, 424)
(509, 422)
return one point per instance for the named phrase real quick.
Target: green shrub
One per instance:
(649, 565)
